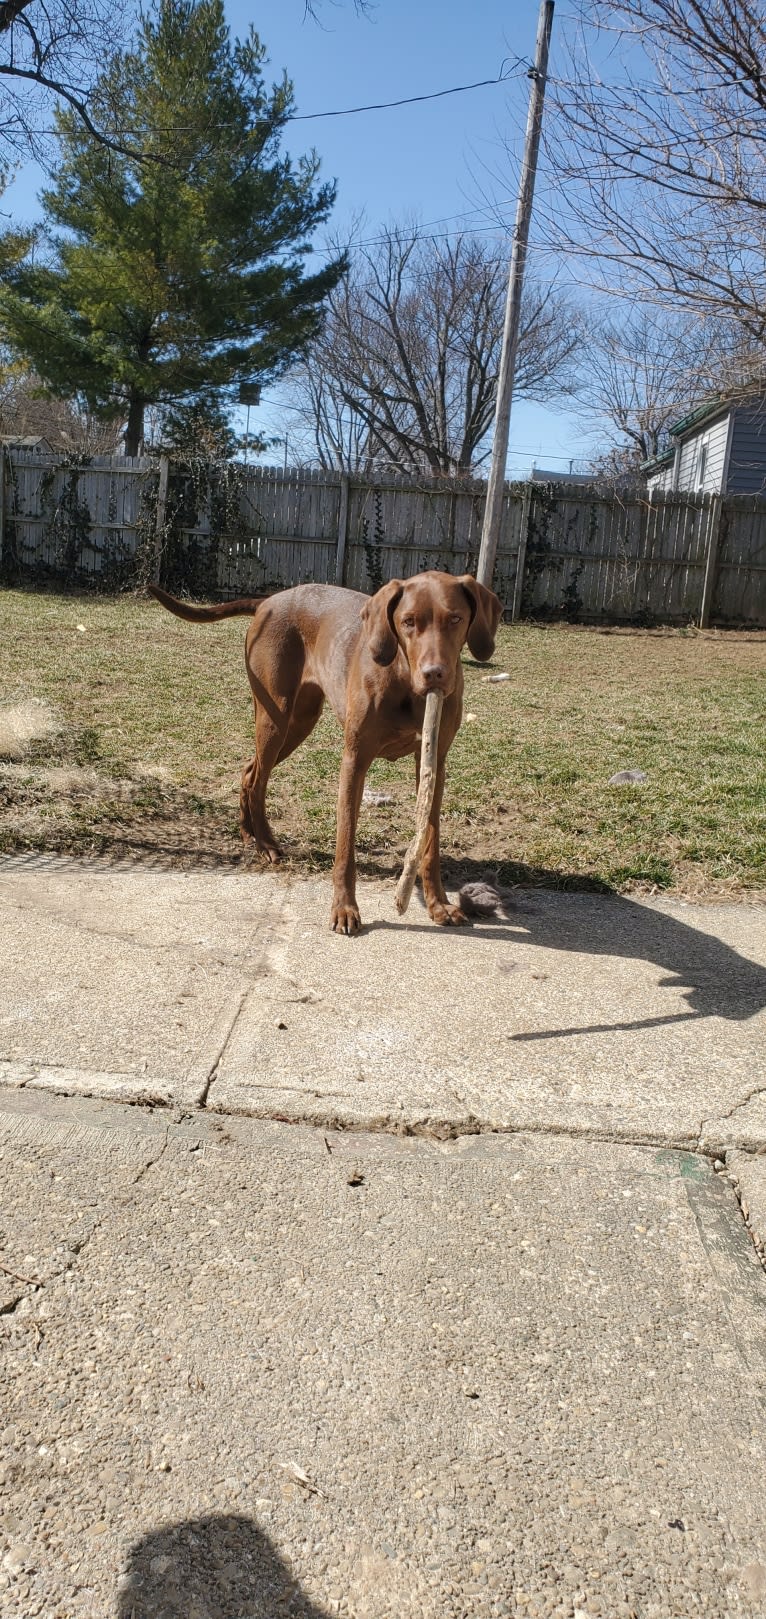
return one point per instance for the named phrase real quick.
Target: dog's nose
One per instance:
(433, 675)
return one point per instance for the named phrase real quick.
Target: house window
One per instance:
(702, 455)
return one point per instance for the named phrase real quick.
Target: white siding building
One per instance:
(719, 449)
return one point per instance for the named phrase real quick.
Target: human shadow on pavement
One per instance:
(217, 1567)
(714, 979)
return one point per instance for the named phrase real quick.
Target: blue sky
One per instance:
(436, 160)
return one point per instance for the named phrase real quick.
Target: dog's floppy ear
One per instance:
(487, 610)
(378, 617)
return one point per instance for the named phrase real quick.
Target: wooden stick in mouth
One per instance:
(428, 755)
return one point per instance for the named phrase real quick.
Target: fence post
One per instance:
(162, 509)
(711, 560)
(340, 555)
(521, 555)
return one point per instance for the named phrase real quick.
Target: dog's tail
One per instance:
(205, 615)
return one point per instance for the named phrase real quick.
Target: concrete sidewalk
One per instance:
(270, 1370)
(621, 1019)
(406, 1285)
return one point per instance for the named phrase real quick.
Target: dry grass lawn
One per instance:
(157, 724)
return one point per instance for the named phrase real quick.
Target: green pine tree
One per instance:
(184, 273)
(200, 429)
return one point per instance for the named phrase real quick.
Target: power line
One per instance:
(422, 232)
(427, 235)
(408, 101)
(510, 68)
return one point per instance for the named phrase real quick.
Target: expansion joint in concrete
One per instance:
(225, 1033)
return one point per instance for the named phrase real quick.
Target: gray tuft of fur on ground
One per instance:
(483, 899)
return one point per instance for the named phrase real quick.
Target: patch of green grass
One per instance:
(158, 711)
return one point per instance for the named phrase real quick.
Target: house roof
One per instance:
(656, 461)
(700, 414)
(545, 475)
(693, 418)
(24, 441)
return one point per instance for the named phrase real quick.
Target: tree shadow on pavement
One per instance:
(218, 1567)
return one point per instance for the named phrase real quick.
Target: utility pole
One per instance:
(494, 506)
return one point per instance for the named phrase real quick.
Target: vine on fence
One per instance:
(205, 525)
(541, 558)
(67, 526)
(10, 561)
(66, 531)
(201, 531)
(372, 557)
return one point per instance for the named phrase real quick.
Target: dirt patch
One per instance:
(67, 811)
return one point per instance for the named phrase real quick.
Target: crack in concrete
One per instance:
(758, 1090)
(214, 1067)
(758, 1248)
(454, 1129)
(146, 1092)
(432, 1127)
(77, 1246)
(721, 1145)
(149, 1163)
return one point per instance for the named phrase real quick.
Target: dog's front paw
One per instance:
(345, 918)
(446, 916)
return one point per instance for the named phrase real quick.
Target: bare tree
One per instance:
(643, 372)
(404, 372)
(52, 50)
(657, 139)
(322, 426)
(66, 424)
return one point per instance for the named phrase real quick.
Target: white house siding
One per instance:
(662, 480)
(747, 464)
(713, 436)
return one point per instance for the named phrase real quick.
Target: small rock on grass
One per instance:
(624, 778)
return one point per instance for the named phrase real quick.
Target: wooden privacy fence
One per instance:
(565, 551)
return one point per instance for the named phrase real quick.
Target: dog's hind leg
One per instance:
(271, 728)
(279, 730)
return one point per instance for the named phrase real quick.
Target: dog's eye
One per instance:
(456, 618)
(408, 623)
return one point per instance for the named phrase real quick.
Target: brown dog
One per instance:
(374, 660)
